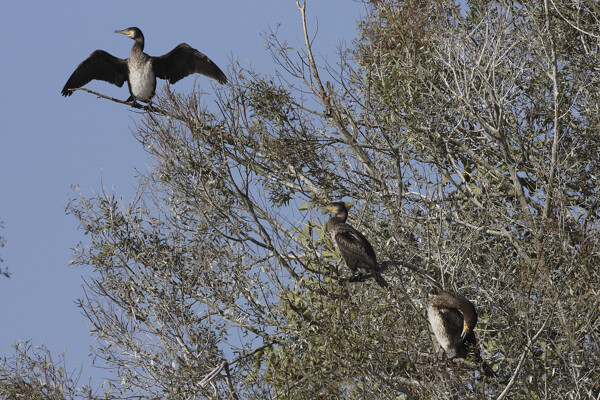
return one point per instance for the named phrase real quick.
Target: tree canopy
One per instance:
(465, 139)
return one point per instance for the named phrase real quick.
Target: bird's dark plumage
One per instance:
(141, 70)
(184, 60)
(99, 65)
(353, 246)
(453, 318)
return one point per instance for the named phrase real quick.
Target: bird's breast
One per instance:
(142, 80)
(439, 326)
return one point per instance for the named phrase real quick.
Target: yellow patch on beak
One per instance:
(465, 331)
(126, 32)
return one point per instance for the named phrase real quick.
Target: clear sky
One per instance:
(49, 143)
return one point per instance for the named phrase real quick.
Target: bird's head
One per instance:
(133, 33)
(338, 209)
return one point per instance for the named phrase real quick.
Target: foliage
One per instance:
(32, 374)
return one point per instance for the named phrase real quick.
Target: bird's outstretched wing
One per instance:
(184, 60)
(99, 65)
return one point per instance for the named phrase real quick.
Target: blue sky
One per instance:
(49, 143)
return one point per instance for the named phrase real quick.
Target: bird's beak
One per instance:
(124, 32)
(465, 332)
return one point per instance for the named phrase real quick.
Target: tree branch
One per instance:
(147, 107)
(521, 360)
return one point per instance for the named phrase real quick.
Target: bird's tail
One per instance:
(379, 279)
(487, 370)
(483, 366)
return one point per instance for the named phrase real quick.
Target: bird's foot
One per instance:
(133, 102)
(139, 106)
(357, 277)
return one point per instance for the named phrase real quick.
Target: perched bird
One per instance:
(453, 319)
(353, 246)
(141, 70)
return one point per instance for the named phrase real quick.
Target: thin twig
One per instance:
(556, 111)
(425, 274)
(229, 384)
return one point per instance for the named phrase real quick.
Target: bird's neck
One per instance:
(138, 45)
(339, 219)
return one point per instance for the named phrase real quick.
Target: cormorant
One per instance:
(141, 70)
(453, 318)
(353, 246)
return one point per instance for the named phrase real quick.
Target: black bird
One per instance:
(453, 318)
(141, 70)
(353, 246)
